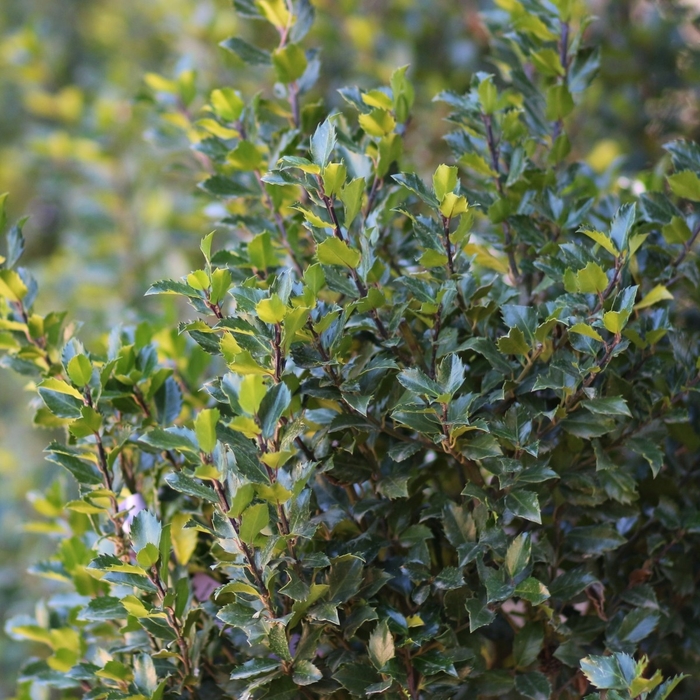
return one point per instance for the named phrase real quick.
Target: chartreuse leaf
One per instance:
(245, 156)
(333, 251)
(377, 98)
(59, 386)
(254, 519)
(377, 123)
(583, 329)
(685, 184)
(592, 279)
(205, 428)
(275, 11)
(251, 392)
(314, 278)
(11, 286)
(614, 321)
(559, 102)
(602, 240)
(657, 294)
(294, 321)
(488, 95)
(261, 251)
(79, 370)
(444, 180)
(351, 197)
(289, 62)
(3, 212)
(227, 104)
(676, 230)
(453, 205)
(271, 310)
(402, 93)
(547, 62)
(184, 539)
(333, 176)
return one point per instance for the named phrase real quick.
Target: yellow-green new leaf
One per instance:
(602, 240)
(227, 104)
(184, 539)
(685, 184)
(245, 156)
(271, 310)
(559, 102)
(659, 293)
(198, 280)
(583, 329)
(444, 180)
(205, 429)
(220, 283)
(333, 251)
(488, 95)
(351, 197)
(253, 521)
(290, 63)
(453, 205)
(251, 393)
(11, 286)
(614, 321)
(334, 175)
(275, 12)
(79, 370)
(377, 123)
(592, 279)
(53, 384)
(676, 230)
(377, 98)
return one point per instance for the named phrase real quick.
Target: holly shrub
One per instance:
(415, 437)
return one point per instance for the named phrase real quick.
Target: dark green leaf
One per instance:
(247, 52)
(274, 404)
(525, 505)
(190, 487)
(533, 685)
(344, 578)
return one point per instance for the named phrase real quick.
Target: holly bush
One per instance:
(414, 436)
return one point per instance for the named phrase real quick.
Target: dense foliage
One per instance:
(414, 438)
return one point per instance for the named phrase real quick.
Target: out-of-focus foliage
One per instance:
(110, 190)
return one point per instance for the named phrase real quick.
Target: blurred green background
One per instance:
(91, 150)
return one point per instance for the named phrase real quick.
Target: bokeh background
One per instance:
(92, 149)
